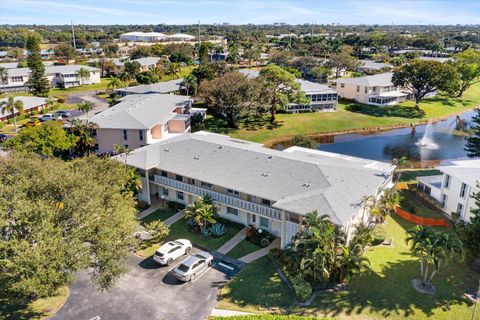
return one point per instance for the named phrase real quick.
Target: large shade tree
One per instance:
(467, 64)
(57, 218)
(472, 145)
(423, 77)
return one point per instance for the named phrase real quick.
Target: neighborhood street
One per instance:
(147, 291)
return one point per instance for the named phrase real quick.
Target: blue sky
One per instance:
(239, 12)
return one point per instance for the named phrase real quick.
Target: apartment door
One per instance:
(251, 219)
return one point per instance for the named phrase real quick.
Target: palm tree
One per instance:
(190, 83)
(158, 72)
(4, 77)
(351, 261)
(202, 212)
(400, 163)
(82, 130)
(389, 201)
(174, 68)
(14, 107)
(125, 77)
(85, 107)
(83, 74)
(114, 83)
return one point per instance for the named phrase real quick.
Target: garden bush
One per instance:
(264, 242)
(2, 124)
(379, 234)
(303, 289)
(175, 207)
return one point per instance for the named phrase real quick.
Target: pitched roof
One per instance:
(140, 111)
(381, 79)
(28, 102)
(370, 64)
(159, 87)
(297, 180)
(468, 171)
(68, 69)
(313, 87)
(147, 61)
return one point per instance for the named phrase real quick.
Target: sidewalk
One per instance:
(261, 253)
(177, 216)
(230, 244)
(154, 207)
(228, 313)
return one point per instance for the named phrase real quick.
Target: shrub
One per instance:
(174, 206)
(303, 290)
(258, 235)
(2, 124)
(264, 242)
(218, 229)
(158, 230)
(305, 142)
(364, 235)
(379, 234)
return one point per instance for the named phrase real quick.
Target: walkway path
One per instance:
(154, 207)
(230, 244)
(261, 253)
(228, 313)
(177, 216)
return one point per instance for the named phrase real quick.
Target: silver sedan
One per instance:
(193, 266)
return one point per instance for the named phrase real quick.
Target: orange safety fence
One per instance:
(440, 222)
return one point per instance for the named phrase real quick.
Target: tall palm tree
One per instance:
(158, 72)
(4, 77)
(85, 106)
(202, 212)
(174, 68)
(400, 164)
(83, 74)
(14, 107)
(114, 83)
(190, 84)
(125, 77)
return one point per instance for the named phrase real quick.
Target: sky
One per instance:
(239, 12)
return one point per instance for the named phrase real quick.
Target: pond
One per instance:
(387, 145)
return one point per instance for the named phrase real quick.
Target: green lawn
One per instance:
(242, 249)
(412, 203)
(347, 118)
(179, 230)
(38, 309)
(184, 71)
(266, 317)
(382, 292)
(160, 214)
(410, 175)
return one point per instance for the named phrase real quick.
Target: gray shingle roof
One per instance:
(295, 180)
(147, 61)
(159, 87)
(381, 79)
(140, 111)
(313, 87)
(468, 171)
(70, 69)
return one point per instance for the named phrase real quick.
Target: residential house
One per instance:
(259, 186)
(322, 98)
(64, 76)
(142, 119)
(371, 67)
(374, 89)
(454, 187)
(154, 37)
(147, 63)
(172, 86)
(30, 104)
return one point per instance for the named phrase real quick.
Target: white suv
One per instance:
(172, 250)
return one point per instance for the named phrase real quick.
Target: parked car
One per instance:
(3, 138)
(171, 251)
(34, 122)
(63, 113)
(193, 266)
(49, 116)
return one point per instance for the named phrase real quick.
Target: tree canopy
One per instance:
(59, 217)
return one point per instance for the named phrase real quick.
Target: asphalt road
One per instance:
(89, 96)
(147, 291)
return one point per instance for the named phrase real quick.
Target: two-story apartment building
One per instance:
(254, 185)
(322, 98)
(58, 76)
(453, 188)
(140, 120)
(375, 89)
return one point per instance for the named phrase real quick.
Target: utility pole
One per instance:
(73, 36)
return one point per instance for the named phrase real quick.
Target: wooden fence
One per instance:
(440, 222)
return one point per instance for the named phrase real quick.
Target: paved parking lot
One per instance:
(147, 291)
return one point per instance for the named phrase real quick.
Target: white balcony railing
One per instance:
(219, 197)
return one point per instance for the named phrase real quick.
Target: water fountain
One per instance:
(426, 141)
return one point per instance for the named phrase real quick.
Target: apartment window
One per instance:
(17, 79)
(125, 135)
(233, 192)
(206, 185)
(192, 181)
(232, 211)
(140, 135)
(254, 218)
(342, 85)
(459, 208)
(263, 222)
(180, 195)
(179, 178)
(366, 90)
(265, 202)
(444, 200)
(165, 191)
(164, 173)
(446, 183)
(463, 190)
(358, 88)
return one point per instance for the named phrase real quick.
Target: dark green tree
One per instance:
(472, 145)
(37, 82)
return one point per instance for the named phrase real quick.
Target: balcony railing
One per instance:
(219, 197)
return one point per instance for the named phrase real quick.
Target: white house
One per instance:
(172, 86)
(375, 89)
(453, 188)
(64, 76)
(142, 119)
(369, 66)
(259, 186)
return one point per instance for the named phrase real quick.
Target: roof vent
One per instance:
(166, 150)
(196, 158)
(220, 147)
(264, 174)
(307, 185)
(270, 157)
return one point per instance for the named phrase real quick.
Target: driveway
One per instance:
(147, 291)
(89, 96)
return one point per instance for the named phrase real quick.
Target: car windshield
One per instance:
(158, 254)
(183, 268)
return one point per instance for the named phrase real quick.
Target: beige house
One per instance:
(57, 76)
(375, 90)
(140, 120)
(254, 185)
(30, 104)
